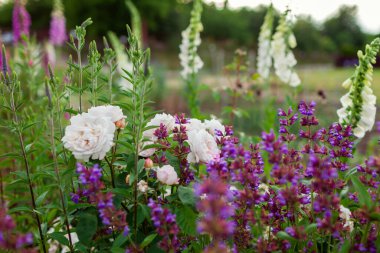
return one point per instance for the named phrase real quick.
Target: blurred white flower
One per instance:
(146, 152)
(142, 186)
(109, 111)
(190, 61)
(345, 215)
(89, 136)
(167, 175)
(284, 60)
(212, 125)
(194, 124)
(203, 146)
(264, 58)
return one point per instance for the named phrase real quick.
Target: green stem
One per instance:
(80, 76)
(27, 170)
(59, 179)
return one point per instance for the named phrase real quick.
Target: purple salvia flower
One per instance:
(21, 21)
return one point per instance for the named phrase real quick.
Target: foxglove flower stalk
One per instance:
(57, 32)
(190, 60)
(281, 50)
(21, 21)
(264, 58)
(359, 104)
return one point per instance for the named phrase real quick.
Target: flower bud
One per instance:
(148, 163)
(120, 124)
(347, 84)
(127, 179)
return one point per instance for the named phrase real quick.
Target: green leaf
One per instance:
(186, 219)
(364, 197)
(20, 209)
(41, 198)
(86, 227)
(285, 236)
(311, 227)
(119, 241)
(186, 195)
(60, 237)
(345, 247)
(142, 213)
(148, 240)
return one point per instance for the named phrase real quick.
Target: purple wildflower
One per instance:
(166, 226)
(21, 21)
(57, 32)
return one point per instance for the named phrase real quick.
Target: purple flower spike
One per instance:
(21, 21)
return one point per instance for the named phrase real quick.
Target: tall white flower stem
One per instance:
(11, 86)
(264, 58)
(190, 60)
(281, 50)
(55, 161)
(359, 104)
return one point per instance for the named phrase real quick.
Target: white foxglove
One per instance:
(281, 50)
(190, 60)
(264, 58)
(359, 104)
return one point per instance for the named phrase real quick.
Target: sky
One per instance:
(368, 10)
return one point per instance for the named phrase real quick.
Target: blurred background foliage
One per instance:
(339, 35)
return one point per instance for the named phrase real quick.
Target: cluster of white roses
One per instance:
(359, 104)
(91, 134)
(283, 57)
(264, 58)
(201, 137)
(190, 60)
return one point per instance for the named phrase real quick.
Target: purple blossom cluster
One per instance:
(21, 21)
(216, 209)
(57, 32)
(10, 241)
(303, 181)
(91, 191)
(166, 226)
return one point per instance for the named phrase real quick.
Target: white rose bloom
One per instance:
(345, 215)
(167, 175)
(89, 136)
(166, 119)
(114, 113)
(194, 124)
(212, 125)
(203, 147)
(142, 186)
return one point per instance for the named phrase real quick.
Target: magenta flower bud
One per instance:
(21, 21)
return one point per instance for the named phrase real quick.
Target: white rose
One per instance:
(167, 175)
(194, 124)
(114, 113)
(214, 124)
(166, 119)
(203, 147)
(142, 186)
(88, 136)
